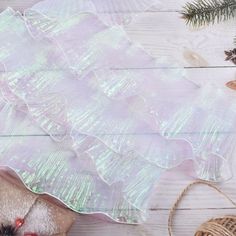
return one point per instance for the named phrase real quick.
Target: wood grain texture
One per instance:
(170, 5)
(157, 33)
(199, 205)
(163, 33)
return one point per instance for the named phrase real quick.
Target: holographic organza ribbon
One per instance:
(109, 132)
(111, 12)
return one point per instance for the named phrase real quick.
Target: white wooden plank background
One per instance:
(201, 52)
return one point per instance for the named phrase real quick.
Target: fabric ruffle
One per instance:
(65, 106)
(132, 113)
(114, 131)
(54, 168)
(207, 125)
(52, 101)
(110, 12)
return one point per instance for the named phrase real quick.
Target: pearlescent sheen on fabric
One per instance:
(110, 129)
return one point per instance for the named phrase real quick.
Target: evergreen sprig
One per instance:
(203, 12)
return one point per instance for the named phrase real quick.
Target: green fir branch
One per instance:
(204, 12)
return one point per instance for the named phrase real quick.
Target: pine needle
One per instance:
(204, 12)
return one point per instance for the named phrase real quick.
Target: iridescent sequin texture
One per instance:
(106, 129)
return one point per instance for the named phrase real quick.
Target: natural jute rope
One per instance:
(225, 226)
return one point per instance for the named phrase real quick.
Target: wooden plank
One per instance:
(165, 34)
(161, 6)
(185, 224)
(199, 197)
(189, 47)
(199, 205)
(170, 5)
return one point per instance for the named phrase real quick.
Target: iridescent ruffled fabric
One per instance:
(207, 125)
(110, 129)
(111, 12)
